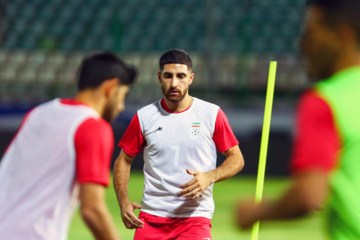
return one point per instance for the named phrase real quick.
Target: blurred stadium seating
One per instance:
(231, 42)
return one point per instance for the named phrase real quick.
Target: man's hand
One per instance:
(121, 182)
(128, 216)
(195, 187)
(246, 214)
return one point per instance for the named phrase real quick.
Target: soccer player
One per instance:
(180, 135)
(326, 155)
(61, 155)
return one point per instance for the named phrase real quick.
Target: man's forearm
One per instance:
(231, 166)
(121, 181)
(121, 178)
(287, 207)
(100, 223)
(95, 212)
(306, 194)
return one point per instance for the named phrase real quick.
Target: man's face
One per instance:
(320, 44)
(116, 102)
(175, 80)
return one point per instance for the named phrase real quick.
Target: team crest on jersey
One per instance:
(195, 128)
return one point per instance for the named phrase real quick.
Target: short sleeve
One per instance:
(133, 142)
(317, 142)
(94, 145)
(223, 136)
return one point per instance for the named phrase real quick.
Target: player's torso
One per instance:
(176, 142)
(342, 94)
(180, 140)
(41, 159)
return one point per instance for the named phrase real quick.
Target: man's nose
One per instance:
(174, 82)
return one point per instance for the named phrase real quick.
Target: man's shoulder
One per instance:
(149, 109)
(95, 127)
(311, 96)
(46, 104)
(96, 122)
(205, 104)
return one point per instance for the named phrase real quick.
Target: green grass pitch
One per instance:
(223, 228)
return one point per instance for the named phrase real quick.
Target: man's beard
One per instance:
(109, 113)
(320, 65)
(174, 99)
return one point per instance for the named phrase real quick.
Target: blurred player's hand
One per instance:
(195, 187)
(246, 214)
(128, 216)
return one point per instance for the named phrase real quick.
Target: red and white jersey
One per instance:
(172, 143)
(60, 143)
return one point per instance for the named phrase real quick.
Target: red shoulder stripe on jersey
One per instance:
(223, 136)
(133, 142)
(94, 145)
(317, 141)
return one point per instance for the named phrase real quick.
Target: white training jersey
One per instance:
(37, 187)
(174, 143)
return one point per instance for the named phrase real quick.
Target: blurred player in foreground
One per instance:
(61, 155)
(326, 155)
(179, 135)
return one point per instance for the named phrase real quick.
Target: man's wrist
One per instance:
(265, 210)
(123, 201)
(211, 176)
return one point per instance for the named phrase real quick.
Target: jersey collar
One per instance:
(165, 107)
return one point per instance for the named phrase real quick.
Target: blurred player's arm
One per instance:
(307, 193)
(95, 212)
(121, 182)
(310, 165)
(233, 163)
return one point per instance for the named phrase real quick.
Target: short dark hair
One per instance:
(97, 68)
(175, 56)
(340, 11)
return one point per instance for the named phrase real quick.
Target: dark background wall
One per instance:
(279, 151)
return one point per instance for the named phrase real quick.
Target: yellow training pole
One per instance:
(264, 142)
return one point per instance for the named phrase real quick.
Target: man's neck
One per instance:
(182, 105)
(349, 59)
(93, 99)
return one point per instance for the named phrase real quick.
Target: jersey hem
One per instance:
(224, 149)
(127, 150)
(165, 214)
(94, 180)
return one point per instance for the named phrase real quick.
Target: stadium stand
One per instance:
(231, 41)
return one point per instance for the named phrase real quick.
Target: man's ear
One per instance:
(347, 35)
(159, 77)
(109, 84)
(191, 78)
